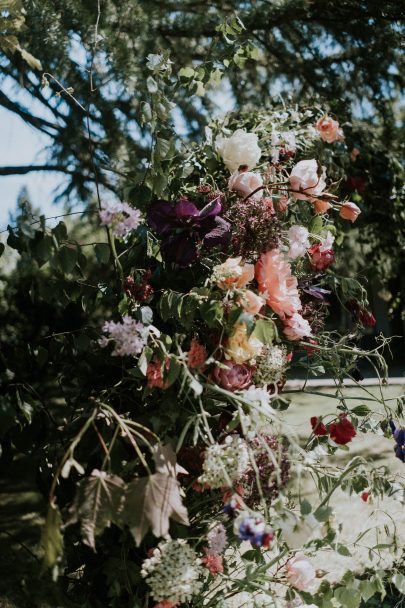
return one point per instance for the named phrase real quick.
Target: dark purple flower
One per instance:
(399, 436)
(254, 529)
(184, 229)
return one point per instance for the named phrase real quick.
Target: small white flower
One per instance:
(224, 462)
(241, 148)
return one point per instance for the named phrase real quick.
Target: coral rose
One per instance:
(349, 211)
(233, 377)
(296, 327)
(321, 206)
(197, 355)
(300, 573)
(305, 181)
(246, 182)
(240, 149)
(329, 129)
(251, 302)
(232, 273)
(241, 348)
(318, 427)
(279, 286)
(342, 432)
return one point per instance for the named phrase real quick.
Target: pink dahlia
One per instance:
(273, 275)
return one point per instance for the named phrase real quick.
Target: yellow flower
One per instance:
(240, 347)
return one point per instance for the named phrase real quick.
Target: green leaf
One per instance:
(51, 541)
(186, 73)
(360, 410)
(343, 550)
(399, 581)
(60, 232)
(348, 597)
(98, 503)
(43, 249)
(103, 252)
(67, 258)
(173, 372)
(306, 507)
(316, 225)
(265, 331)
(322, 514)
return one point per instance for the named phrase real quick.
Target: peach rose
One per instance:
(296, 327)
(279, 286)
(300, 573)
(329, 129)
(232, 273)
(305, 181)
(246, 182)
(241, 348)
(349, 211)
(321, 206)
(251, 302)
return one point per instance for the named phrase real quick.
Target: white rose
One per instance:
(305, 181)
(246, 182)
(301, 573)
(241, 148)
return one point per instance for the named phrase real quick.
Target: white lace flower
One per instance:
(326, 242)
(224, 462)
(173, 571)
(241, 148)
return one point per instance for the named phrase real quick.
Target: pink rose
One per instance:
(296, 327)
(329, 129)
(233, 376)
(321, 206)
(320, 260)
(305, 181)
(246, 182)
(349, 211)
(300, 573)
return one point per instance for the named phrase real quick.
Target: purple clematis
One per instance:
(184, 229)
(399, 436)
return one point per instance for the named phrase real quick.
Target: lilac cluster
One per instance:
(217, 540)
(272, 469)
(120, 217)
(253, 528)
(129, 337)
(255, 228)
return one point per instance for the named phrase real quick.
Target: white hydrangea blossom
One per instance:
(173, 571)
(224, 462)
(298, 241)
(217, 539)
(120, 217)
(241, 148)
(129, 337)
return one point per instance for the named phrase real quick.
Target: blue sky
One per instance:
(21, 144)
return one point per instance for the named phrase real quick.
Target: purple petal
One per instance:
(316, 292)
(185, 209)
(179, 249)
(212, 209)
(218, 234)
(161, 216)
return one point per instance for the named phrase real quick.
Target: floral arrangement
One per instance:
(232, 277)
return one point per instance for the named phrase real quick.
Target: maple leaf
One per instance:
(152, 501)
(98, 503)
